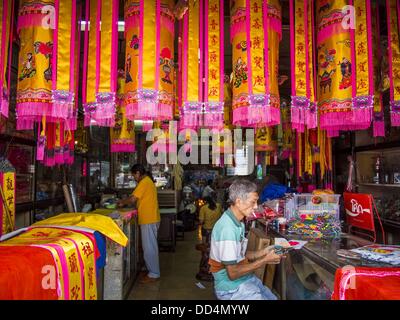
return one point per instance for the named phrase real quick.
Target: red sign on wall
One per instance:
(359, 210)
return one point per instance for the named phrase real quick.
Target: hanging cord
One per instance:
(380, 222)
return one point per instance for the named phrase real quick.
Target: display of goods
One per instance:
(315, 225)
(382, 253)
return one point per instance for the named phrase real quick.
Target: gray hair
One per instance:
(240, 189)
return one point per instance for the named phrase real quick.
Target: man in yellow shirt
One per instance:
(145, 195)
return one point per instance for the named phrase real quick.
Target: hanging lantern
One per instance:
(45, 85)
(393, 14)
(192, 66)
(149, 64)
(255, 35)
(202, 57)
(100, 62)
(345, 78)
(214, 64)
(35, 63)
(7, 19)
(303, 109)
(123, 134)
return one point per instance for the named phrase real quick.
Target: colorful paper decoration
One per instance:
(123, 134)
(255, 35)
(214, 64)
(35, 67)
(46, 71)
(58, 145)
(100, 63)
(202, 57)
(7, 19)
(393, 14)
(63, 76)
(149, 60)
(345, 76)
(302, 50)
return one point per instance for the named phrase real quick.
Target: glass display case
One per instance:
(122, 163)
(49, 182)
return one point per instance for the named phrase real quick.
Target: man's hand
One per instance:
(270, 256)
(120, 204)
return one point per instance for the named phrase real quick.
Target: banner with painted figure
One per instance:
(149, 60)
(345, 76)
(256, 30)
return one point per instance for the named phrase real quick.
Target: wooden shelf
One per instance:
(379, 185)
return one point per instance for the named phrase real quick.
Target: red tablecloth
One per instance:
(362, 283)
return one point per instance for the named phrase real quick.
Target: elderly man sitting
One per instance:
(230, 264)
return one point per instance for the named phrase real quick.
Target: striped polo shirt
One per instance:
(226, 248)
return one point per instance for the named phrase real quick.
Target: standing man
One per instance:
(145, 195)
(232, 267)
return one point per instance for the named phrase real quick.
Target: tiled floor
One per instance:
(178, 275)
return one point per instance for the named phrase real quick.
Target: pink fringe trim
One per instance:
(298, 119)
(214, 120)
(236, 28)
(167, 24)
(35, 109)
(256, 116)
(123, 147)
(149, 111)
(311, 119)
(190, 121)
(33, 112)
(378, 128)
(276, 25)
(358, 119)
(395, 119)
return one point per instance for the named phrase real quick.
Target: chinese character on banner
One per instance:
(87, 250)
(75, 293)
(7, 197)
(90, 276)
(73, 263)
